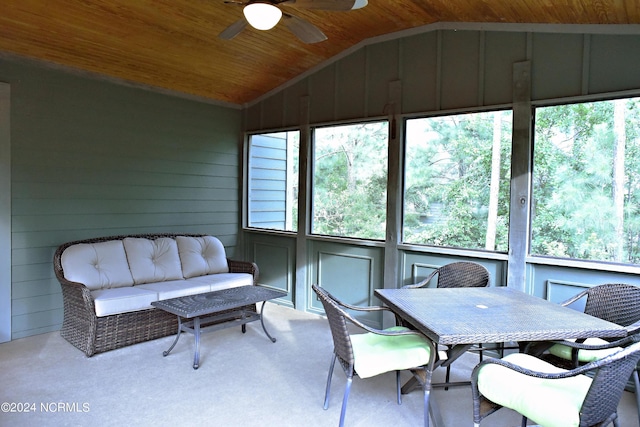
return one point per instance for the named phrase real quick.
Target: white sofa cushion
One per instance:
(153, 260)
(122, 300)
(201, 255)
(175, 288)
(97, 265)
(223, 280)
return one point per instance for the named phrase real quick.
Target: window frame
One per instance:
(429, 247)
(588, 264)
(312, 170)
(247, 187)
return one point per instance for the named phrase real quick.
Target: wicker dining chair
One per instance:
(462, 274)
(615, 302)
(376, 351)
(551, 396)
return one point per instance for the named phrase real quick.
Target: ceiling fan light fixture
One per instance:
(262, 16)
(359, 4)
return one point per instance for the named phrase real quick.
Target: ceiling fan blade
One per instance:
(305, 31)
(234, 29)
(326, 4)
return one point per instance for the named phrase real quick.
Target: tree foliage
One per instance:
(586, 181)
(447, 180)
(574, 213)
(350, 180)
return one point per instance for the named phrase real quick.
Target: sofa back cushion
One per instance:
(97, 265)
(153, 260)
(201, 255)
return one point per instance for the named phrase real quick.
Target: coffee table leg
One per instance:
(262, 322)
(196, 334)
(244, 325)
(165, 353)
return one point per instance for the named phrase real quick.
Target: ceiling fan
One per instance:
(265, 14)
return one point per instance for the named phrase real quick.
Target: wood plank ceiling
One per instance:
(173, 44)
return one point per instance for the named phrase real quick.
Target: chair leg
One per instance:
(426, 388)
(636, 382)
(524, 421)
(446, 377)
(328, 389)
(345, 399)
(398, 388)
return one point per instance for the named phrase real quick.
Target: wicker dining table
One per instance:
(459, 318)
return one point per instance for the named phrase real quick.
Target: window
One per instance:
(350, 180)
(273, 181)
(456, 184)
(586, 181)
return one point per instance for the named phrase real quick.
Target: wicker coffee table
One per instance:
(217, 310)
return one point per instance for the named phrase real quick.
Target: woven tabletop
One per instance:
(453, 316)
(212, 302)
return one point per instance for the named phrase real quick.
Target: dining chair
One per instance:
(615, 302)
(551, 396)
(375, 351)
(461, 274)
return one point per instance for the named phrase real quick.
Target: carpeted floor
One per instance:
(243, 380)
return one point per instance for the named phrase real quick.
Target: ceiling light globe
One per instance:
(359, 4)
(262, 16)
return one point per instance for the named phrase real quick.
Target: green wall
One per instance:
(444, 70)
(93, 158)
(438, 70)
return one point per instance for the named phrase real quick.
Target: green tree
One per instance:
(586, 181)
(349, 180)
(449, 165)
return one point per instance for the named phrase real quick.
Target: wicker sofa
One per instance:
(108, 284)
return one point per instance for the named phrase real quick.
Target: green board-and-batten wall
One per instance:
(448, 69)
(92, 158)
(440, 69)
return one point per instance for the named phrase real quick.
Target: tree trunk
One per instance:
(494, 188)
(620, 137)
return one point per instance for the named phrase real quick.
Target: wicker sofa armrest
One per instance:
(77, 295)
(236, 266)
(74, 293)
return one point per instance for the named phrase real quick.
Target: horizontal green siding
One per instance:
(91, 158)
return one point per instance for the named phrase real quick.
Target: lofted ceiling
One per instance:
(173, 45)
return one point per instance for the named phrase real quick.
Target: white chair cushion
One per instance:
(584, 356)
(153, 261)
(122, 300)
(201, 255)
(375, 354)
(219, 281)
(97, 265)
(551, 403)
(175, 288)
